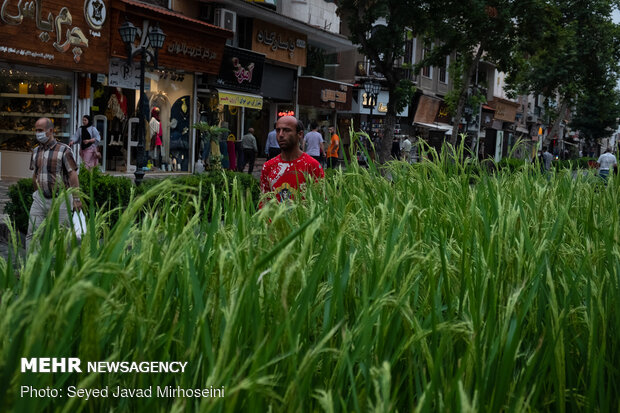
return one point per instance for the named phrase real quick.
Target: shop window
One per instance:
(443, 70)
(27, 95)
(427, 71)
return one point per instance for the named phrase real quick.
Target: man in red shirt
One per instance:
(287, 172)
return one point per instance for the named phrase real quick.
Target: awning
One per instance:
(233, 98)
(521, 129)
(489, 108)
(436, 126)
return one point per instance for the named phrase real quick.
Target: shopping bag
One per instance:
(79, 224)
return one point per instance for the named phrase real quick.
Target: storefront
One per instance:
(233, 101)
(40, 58)
(285, 52)
(191, 47)
(428, 119)
(500, 137)
(322, 99)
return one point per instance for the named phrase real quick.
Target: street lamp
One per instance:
(372, 89)
(156, 38)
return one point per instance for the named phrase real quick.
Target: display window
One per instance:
(27, 95)
(170, 97)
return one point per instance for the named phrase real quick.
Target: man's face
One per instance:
(40, 126)
(286, 133)
(331, 130)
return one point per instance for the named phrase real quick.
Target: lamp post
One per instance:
(372, 89)
(156, 40)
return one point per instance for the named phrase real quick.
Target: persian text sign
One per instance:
(190, 45)
(279, 44)
(71, 35)
(233, 99)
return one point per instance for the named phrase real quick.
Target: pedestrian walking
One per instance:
(54, 168)
(406, 150)
(272, 149)
(546, 159)
(332, 150)
(606, 162)
(313, 143)
(88, 137)
(248, 143)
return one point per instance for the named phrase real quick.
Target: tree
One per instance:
(380, 29)
(571, 56)
(475, 29)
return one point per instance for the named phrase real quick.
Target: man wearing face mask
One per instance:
(54, 169)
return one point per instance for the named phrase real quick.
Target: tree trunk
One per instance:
(467, 75)
(388, 136)
(556, 123)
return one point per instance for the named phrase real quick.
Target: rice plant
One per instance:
(429, 288)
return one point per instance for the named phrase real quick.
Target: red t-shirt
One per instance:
(284, 177)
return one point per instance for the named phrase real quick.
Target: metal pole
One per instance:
(139, 174)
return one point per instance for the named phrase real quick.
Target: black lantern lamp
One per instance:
(156, 38)
(372, 90)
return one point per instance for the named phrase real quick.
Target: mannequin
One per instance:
(156, 134)
(116, 113)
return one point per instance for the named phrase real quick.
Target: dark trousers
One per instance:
(332, 162)
(248, 158)
(273, 152)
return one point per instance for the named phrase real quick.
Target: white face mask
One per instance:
(41, 137)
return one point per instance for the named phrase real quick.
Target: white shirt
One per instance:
(406, 145)
(313, 143)
(606, 161)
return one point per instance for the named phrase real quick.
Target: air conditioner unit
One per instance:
(226, 19)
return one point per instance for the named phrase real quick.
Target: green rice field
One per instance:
(424, 288)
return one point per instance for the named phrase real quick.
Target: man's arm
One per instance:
(74, 182)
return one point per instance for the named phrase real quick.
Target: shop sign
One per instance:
(123, 75)
(427, 110)
(190, 45)
(279, 44)
(233, 99)
(329, 95)
(363, 103)
(505, 110)
(73, 35)
(241, 69)
(322, 93)
(443, 114)
(286, 113)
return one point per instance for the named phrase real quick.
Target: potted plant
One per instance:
(210, 135)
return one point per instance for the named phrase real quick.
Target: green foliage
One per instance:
(110, 195)
(423, 291)
(512, 164)
(20, 200)
(574, 164)
(219, 183)
(208, 132)
(105, 192)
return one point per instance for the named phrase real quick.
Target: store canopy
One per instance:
(233, 98)
(436, 126)
(521, 129)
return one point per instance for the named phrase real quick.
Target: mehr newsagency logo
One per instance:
(74, 365)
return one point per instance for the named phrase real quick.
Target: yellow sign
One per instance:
(233, 99)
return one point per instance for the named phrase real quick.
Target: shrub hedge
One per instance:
(113, 193)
